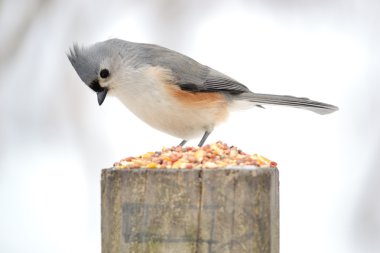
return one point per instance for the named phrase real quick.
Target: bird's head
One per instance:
(97, 66)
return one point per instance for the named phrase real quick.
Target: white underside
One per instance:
(147, 99)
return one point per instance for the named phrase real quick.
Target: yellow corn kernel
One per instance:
(151, 165)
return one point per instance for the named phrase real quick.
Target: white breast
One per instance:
(143, 93)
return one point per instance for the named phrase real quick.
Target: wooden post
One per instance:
(197, 211)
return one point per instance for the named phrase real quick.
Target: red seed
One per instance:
(273, 164)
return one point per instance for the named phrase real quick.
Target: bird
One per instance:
(168, 90)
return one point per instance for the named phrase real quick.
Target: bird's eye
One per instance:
(104, 73)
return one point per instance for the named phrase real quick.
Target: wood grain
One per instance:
(202, 211)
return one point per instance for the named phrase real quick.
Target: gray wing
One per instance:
(190, 75)
(213, 81)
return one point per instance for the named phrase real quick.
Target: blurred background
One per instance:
(55, 139)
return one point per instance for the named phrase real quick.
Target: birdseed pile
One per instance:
(211, 156)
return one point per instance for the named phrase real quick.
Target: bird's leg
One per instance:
(207, 133)
(182, 143)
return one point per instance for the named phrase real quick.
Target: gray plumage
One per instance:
(186, 70)
(189, 74)
(141, 75)
(296, 102)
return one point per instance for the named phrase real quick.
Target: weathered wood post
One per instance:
(220, 210)
(181, 211)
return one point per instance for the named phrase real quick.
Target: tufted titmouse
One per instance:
(170, 91)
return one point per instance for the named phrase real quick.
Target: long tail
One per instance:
(303, 103)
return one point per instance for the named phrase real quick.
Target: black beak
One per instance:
(102, 95)
(100, 91)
